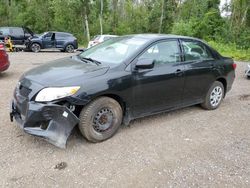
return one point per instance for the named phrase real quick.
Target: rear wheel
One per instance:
(214, 96)
(35, 47)
(69, 48)
(100, 119)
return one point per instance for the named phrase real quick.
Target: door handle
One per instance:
(179, 72)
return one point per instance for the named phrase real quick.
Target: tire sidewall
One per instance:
(88, 130)
(67, 49)
(207, 100)
(35, 44)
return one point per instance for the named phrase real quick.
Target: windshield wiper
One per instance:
(90, 60)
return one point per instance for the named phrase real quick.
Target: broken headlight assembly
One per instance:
(54, 93)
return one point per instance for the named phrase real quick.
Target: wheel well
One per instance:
(35, 43)
(69, 44)
(224, 82)
(118, 99)
(115, 97)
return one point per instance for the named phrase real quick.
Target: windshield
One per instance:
(115, 50)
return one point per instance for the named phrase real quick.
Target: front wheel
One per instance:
(69, 48)
(35, 47)
(214, 96)
(100, 119)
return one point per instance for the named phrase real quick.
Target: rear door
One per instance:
(200, 70)
(161, 87)
(60, 39)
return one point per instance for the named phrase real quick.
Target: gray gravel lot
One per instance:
(191, 147)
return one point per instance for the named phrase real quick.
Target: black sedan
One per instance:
(117, 81)
(65, 42)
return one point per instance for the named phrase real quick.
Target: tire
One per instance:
(100, 119)
(69, 48)
(214, 96)
(35, 47)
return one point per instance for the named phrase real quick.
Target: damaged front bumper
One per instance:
(52, 122)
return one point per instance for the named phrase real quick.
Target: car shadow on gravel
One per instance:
(52, 51)
(245, 97)
(6, 74)
(144, 121)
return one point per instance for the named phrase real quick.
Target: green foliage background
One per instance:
(198, 18)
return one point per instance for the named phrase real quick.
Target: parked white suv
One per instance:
(99, 39)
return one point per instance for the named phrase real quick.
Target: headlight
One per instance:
(53, 93)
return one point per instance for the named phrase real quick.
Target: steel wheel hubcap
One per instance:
(216, 96)
(103, 120)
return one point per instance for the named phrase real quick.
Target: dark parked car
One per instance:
(117, 81)
(18, 34)
(60, 40)
(4, 59)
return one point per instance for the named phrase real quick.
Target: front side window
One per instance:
(195, 50)
(163, 52)
(47, 34)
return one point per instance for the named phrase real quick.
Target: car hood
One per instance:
(35, 36)
(65, 72)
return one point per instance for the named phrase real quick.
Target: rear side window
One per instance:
(195, 50)
(16, 31)
(62, 35)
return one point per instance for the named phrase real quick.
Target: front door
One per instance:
(161, 87)
(49, 40)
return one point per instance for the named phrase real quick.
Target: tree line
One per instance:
(86, 18)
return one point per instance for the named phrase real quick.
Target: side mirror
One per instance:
(145, 64)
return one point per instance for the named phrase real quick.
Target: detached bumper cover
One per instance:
(52, 122)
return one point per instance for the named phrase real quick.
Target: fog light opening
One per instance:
(44, 125)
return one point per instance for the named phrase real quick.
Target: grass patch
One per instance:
(231, 50)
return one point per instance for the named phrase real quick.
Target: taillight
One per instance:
(2, 47)
(234, 66)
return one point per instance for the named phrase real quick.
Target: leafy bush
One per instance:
(231, 50)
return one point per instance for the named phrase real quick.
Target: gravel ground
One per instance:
(191, 147)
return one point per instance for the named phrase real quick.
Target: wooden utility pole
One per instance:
(86, 24)
(162, 15)
(100, 17)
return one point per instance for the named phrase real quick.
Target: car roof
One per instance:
(58, 32)
(153, 37)
(10, 27)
